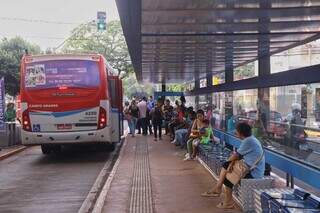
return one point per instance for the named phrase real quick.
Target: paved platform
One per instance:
(175, 186)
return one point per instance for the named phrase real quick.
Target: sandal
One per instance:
(210, 194)
(223, 206)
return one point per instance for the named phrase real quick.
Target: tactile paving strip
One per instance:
(141, 194)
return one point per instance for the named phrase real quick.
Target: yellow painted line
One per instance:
(12, 152)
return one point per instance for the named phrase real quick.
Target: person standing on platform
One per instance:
(157, 117)
(168, 114)
(139, 119)
(134, 115)
(143, 115)
(150, 106)
(10, 114)
(127, 115)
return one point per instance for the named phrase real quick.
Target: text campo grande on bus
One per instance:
(43, 105)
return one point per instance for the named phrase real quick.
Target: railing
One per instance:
(11, 135)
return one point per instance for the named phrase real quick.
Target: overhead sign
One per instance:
(2, 104)
(203, 83)
(215, 80)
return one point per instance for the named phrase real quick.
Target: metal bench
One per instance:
(212, 158)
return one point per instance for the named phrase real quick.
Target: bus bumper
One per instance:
(38, 138)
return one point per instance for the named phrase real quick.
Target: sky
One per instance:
(69, 13)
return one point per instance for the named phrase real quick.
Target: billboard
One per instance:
(2, 105)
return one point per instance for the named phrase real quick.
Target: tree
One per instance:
(11, 52)
(176, 87)
(243, 72)
(132, 87)
(110, 43)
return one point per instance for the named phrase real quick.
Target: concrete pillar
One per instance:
(163, 89)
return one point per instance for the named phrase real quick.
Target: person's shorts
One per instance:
(226, 182)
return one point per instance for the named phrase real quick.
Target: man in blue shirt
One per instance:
(250, 151)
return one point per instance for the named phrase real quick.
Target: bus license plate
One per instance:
(64, 126)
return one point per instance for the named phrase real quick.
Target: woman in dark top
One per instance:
(134, 112)
(157, 117)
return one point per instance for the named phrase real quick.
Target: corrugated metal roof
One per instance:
(182, 40)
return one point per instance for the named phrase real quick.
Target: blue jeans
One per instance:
(132, 125)
(180, 136)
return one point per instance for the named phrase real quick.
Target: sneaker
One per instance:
(160, 139)
(187, 155)
(174, 141)
(155, 139)
(187, 158)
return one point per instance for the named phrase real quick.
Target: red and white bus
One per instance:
(69, 99)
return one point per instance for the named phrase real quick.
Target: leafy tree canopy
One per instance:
(110, 43)
(11, 52)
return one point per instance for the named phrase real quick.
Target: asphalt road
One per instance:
(33, 182)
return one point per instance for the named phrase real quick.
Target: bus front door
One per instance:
(116, 97)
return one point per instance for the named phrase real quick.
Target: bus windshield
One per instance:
(61, 73)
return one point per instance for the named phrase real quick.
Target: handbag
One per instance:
(240, 169)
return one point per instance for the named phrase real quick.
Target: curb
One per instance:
(13, 152)
(98, 207)
(94, 195)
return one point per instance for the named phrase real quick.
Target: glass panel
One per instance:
(218, 112)
(302, 56)
(244, 108)
(286, 119)
(247, 71)
(290, 121)
(190, 86)
(203, 102)
(191, 101)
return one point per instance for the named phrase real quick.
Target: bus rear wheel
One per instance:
(46, 149)
(108, 147)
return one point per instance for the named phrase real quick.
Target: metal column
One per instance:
(229, 75)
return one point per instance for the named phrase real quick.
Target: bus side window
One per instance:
(113, 93)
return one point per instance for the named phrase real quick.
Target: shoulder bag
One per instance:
(240, 169)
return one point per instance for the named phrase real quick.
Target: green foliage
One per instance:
(132, 87)
(110, 43)
(176, 87)
(11, 52)
(244, 72)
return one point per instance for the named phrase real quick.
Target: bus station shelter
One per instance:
(183, 41)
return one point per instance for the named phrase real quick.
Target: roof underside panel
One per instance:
(180, 40)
